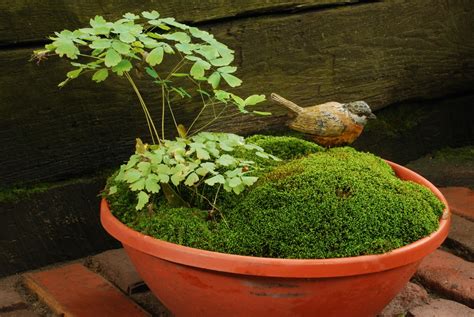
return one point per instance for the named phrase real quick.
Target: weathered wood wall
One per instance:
(384, 52)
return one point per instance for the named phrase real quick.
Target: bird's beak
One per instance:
(372, 116)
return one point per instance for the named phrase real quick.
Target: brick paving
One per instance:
(448, 275)
(73, 290)
(461, 200)
(442, 287)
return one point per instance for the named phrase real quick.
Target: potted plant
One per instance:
(219, 225)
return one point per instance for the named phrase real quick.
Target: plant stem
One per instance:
(163, 111)
(211, 121)
(171, 110)
(151, 125)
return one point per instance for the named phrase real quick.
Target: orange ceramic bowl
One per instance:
(192, 282)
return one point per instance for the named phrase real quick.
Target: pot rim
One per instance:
(291, 268)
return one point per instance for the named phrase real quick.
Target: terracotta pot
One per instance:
(192, 282)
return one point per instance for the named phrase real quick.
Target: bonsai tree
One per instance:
(181, 61)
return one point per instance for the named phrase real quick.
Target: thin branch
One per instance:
(163, 111)
(211, 121)
(151, 125)
(170, 108)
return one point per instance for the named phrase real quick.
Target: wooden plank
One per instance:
(380, 52)
(32, 20)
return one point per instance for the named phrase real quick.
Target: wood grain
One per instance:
(382, 52)
(32, 20)
(56, 225)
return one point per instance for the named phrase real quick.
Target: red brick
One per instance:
(411, 296)
(461, 237)
(448, 275)
(73, 290)
(115, 266)
(461, 200)
(442, 308)
(10, 299)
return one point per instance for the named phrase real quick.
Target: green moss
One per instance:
(19, 192)
(285, 147)
(332, 203)
(462, 154)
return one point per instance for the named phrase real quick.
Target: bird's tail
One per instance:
(286, 103)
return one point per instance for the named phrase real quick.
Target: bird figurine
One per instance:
(329, 124)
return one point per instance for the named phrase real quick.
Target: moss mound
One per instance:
(332, 203)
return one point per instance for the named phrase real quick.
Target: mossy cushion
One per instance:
(331, 203)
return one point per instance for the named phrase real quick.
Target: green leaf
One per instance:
(201, 171)
(231, 80)
(226, 147)
(218, 179)
(127, 37)
(209, 52)
(148, 42)
(179, 74)
(203, 92)
(100, 75)
(121, 47)
(192, 179)
(100, 44)
(249, 180)
(180, 37)
(199, 68)
(214, 80)
(132, 176)
(74, 73)
(238, 189)
(227, 69)
(185, 48)
(150, 15)
(223, 61)
(235, 181)
(221, 95)
(151, 185)
(66, 47)
(254, 99)
(144, 167)
(150, 71)
(112, 58)
(172, 22)
(100, 26)
(202, 154)
(155, 56)
(226, 160)
(162, 169)
(143, 199)
(262, 113)
(132, 161)
(123, 66)
(131, 16)
(209, 166)
(112, 190)
(239, 101)
(138, 185)
(177, 178)
(159, 24)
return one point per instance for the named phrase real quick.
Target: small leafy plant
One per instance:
(184, 62)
